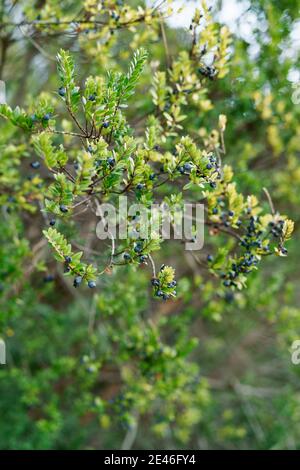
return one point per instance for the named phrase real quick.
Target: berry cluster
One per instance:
(78, 280)
(253, 237)
(225, 216)
(277, 232)
(241, 267)
(164, 284)
(210, 171)
(107, 164)
(208, 71)
(255, 243)
(40, 119)
(137, 253)
(276, 228)
(72, 261)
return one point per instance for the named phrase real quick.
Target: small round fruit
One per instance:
(63, 208)
(77, 281)
(62, 91)
(48, 278)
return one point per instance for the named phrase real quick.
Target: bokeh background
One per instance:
(85, 371)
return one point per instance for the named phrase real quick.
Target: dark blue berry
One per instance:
(35, 165)
(230, 213)
(106, 124)
(212, 184)
(77, 281)
(68, 259)
(227, 283)
(52, 222)
(152, 176)
(46, 117)
(155, 282)
(229, 297)
(91, 284)
(215, 210)
(138, 247)
(62, 91)
(210, 258)
(181, 170)
(209, 166)
(159, 293)
(48, 278)
(187, 166)
(111, 161)
(127, 256)
(139, 186)
(115, 16)
(143, 258)
(172, 284)
(92, 97)
(63, 208)
(98, 163)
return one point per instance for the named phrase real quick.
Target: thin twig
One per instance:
(153, 265)
(269, 200)
(130, 435)
(165, 41)
(36, 45)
